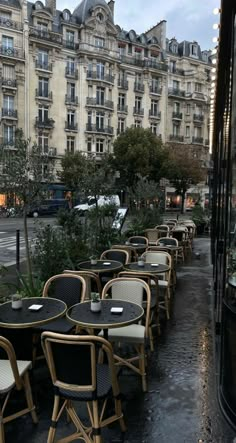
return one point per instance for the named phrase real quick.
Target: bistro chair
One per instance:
(14, 375)
(69, 288)
(152, 236)
(164, 280)
(171, 241)
(93, 283)
(116, 254)
(134, 290)
(77, 377)
(152, 281)
(133, 256)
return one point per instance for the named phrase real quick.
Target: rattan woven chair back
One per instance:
(69, 288)
(167, 241)
(14, 375)
(133, 256)
(115, 254)
(93, 282)
(77, 377)
(138, 239)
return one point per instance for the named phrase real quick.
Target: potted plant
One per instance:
(95, 302)
(93, 259)
(16, 301)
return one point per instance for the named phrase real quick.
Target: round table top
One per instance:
(82, 315)
(137, 246)
(52, 309)
(101, 266)
(147, 267)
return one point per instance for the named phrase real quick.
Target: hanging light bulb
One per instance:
(214, 51)
(216, 11)
(213, 70)
(214, 61)
(215, 39)
(216, 26)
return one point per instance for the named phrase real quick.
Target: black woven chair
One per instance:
(69, 288)
(77, 377)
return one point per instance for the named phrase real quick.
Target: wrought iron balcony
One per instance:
(70, 45)
(138, 87)
(154, 114)
(12, 52)
(9, 113)
(123, 83)
(197, 140)
(43, 65)
(177, 71)
(6, 22)
(153, 64)
(9, 83)
(46, 123)
(176, 138)
(71, 73)
(71, 100)
(43, 94)
(177, 115)
(132, 60)
(198, 117)
(93, 75)
(100, 129)
(53, 37)
(138, 111)
(122, 108)
(155, 90)
(176, 92)
(71, 126)
(7, 142)
(92, 101)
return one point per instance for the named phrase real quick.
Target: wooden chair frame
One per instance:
(21, 383)
(104, 253)
(91, 433)
(89, 276)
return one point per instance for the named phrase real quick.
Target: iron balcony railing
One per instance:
(138, 87)
(46, 123)
(43, 65)
(71, 126)
(176, 91)
(177, 115)
(176, 138)
(138, 111)
(50, 36)
(71, 100)
(11, 113)
(123, 83)
(93, 75)
(155, 90)
(122, 108)
(100, 129)
(43, 94)
(12, 52)
(9, 83)
(198, 117)
(155, 114)
(71, 72)
(70, 45)
(92, 101)
(10, 24)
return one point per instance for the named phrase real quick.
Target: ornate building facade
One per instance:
(74, 81)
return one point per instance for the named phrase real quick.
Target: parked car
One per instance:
(89, 203)
(48, 207)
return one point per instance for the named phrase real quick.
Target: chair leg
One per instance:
(151, 338)
(2, 434)
(97, 438)
(142, 367)
(29, 399)
(52, 429)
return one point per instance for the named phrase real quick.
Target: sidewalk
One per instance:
(181, 404)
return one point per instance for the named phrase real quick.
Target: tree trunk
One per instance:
(27, 249)
(182, 201)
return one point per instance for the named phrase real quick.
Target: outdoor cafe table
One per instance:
(147, 267)
(81, 315)
(102, 266)
(52, 309)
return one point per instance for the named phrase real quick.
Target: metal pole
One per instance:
(18, 250)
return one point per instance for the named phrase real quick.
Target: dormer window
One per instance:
(193, 50)
(100, 17)
(66, 15)
(175, 48)
(205, 56)
(38, 5)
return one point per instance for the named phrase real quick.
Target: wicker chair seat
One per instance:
(7, 379)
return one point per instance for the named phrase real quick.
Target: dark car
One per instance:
(48, 207)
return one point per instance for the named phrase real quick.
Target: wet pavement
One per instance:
(181, 403)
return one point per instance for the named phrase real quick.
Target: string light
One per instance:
(216, 11)
(216, 26)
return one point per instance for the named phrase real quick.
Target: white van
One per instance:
(89, 202)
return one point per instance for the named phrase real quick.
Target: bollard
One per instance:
(18, 250)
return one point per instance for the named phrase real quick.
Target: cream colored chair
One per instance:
(131, 289)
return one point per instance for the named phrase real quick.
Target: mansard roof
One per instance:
(83, 10)
(9, 3)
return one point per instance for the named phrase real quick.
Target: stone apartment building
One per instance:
(75, 80)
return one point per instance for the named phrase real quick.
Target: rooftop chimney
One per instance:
(52, 5)
(111, 5)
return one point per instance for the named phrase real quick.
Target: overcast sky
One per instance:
(186, 19)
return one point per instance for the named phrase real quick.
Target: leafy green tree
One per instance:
(138, 152)
(183, 170)
(25, 171)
